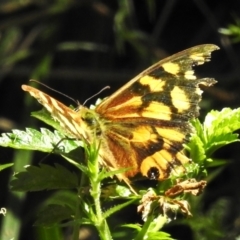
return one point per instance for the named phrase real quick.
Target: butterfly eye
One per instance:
(153, 173)
(90, 119)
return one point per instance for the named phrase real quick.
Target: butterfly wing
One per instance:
(148, 118)
(144, 124)
(70, 120)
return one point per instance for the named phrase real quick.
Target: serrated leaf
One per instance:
(43, 140)
(219, 128)
(216, 131)
(44, 177)
(117, 208)
(53, 214)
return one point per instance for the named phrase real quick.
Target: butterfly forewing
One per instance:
(69, 119)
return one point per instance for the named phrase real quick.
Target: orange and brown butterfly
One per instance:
(144, 124)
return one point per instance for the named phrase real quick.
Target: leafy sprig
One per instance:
(85, 205)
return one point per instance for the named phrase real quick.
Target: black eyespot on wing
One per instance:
(153, 173)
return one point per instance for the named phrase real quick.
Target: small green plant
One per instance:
(93, 186)
(232, 30)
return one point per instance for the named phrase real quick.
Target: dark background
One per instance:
(79, 47)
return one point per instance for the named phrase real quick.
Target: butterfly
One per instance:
(142, 126)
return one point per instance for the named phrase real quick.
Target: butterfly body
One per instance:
(144, 124)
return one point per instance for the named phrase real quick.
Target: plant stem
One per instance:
(101, 222)
(98, 218)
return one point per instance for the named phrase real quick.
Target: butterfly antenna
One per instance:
(103, 89)
(54, 90)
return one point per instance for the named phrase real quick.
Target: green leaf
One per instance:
(44, 116)
(159, 235)
(118, 207)
(133, 226)
(151, 227)
(219, 128)
(7, 165)
(216, 132)
(43, 140)
(196, 149)
(63, 197)
(44, 177)
(106, 174)
(80, 166)
(17, 56)
(54, 214)
(232, 31)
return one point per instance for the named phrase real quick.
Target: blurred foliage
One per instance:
(233, 31)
